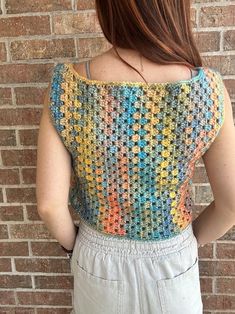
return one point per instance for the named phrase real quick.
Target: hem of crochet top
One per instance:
(117, 237)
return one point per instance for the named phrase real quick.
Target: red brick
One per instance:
(32, 213)
(219, 302)
(229, 40)
(85, 5)
(225, 285)
(30, 95)
(17, 310)
(42, 49)
(200, 162)
(55, 282)
(229, 235)
(230, 83)
(9, 176)
(208, 41)
(203, 194)
(55, 310)
(213, 16)
(22, 195)
(225, 250)
(5, 264)
(7, 138)
(25, 73)
(28, 137)
(45, 265)
(14, 249)
(24, 25)
(14, 6)
(20, 116)
(90, 47)
(11, 213)
(44, 298)
(29, 175)
(5, 96)
(7, 297)
(82, 22)
(206, 251)
(3, 232)
(1, 195)
(224, 64)
(206, 284)
(15, 281)
(3, 52)
(200, 175)
(29, 231)
(47, 249)
(198, 209)
(216, 268)
(21, 157)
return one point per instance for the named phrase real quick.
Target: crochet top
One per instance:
(134, 146)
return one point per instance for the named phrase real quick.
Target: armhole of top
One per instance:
(221, 108)
(52, 95)
(56, 102)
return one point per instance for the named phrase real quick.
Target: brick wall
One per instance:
(35, 274)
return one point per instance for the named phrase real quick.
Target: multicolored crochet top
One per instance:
(134, 146)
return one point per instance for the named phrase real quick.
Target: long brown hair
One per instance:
(159, 30)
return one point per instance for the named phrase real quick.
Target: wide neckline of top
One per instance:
(88, 81)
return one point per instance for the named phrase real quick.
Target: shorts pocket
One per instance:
(84, 274)
(94, 294)
(182, 293)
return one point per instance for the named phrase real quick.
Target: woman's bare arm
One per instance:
(53, 181)
(217, 218)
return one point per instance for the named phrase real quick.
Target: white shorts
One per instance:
(123, 276)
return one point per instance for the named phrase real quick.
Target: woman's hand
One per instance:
(70, 252)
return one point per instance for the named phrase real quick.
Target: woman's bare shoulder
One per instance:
(95, 62)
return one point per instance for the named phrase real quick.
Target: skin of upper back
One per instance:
(108, 67)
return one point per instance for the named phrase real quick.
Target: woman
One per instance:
(133, 144)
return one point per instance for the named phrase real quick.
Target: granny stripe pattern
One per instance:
(134, 147)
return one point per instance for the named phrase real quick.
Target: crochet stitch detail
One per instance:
(134, 147)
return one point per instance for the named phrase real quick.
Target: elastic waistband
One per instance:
(113, 245)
